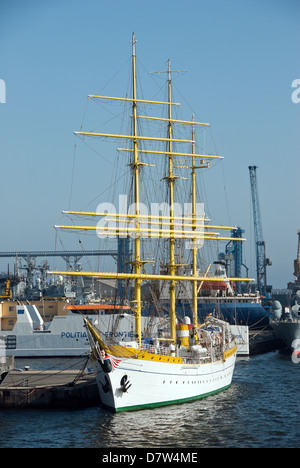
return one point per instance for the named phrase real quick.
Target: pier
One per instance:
(48, 389)
(263, 341)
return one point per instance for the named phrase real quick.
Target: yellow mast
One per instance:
(196, 234)
(170, 178)
(172, 267)
(137, 242)
(195, 304)
(194, 214)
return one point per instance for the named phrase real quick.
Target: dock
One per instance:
(48, 389)
(263, 341)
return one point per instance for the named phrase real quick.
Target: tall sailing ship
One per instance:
(191, 361)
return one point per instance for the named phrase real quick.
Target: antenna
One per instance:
(133, 42)
(169, 71)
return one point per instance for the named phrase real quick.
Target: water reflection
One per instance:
(257, 411)
(189, 425)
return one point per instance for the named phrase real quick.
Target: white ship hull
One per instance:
(138, 384)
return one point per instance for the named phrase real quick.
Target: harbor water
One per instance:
(261, 409)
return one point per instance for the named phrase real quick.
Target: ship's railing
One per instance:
(189, 356)
(162, 349)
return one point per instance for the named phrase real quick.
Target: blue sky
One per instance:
(242, 57)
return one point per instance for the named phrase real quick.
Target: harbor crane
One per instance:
(260, 246)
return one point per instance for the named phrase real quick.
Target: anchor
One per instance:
(125, 384)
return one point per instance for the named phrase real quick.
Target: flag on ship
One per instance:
(115, 362)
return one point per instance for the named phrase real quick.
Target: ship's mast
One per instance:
(172, 267)
(195, 303)
(195, 225)
(171, 178)
(196, 222)
(135, 167)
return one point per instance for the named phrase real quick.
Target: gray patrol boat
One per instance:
(285, 323)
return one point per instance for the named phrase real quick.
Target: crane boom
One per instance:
(260, 245)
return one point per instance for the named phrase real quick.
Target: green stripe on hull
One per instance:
(168, 403)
